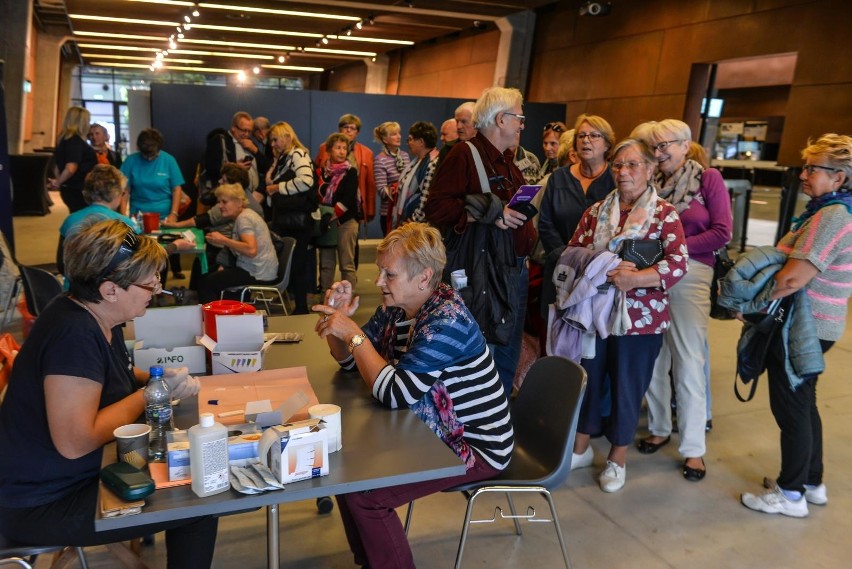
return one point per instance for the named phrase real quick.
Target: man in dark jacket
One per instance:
(235, 145)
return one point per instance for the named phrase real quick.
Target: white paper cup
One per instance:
(131, 444)
(458, 282)
(330, 414)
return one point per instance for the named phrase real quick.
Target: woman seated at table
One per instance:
(255, 260)
(422, 350)
(72, 384)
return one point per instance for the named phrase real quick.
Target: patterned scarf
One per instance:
(636, 226)
(398, 161)
(682, 186)
(336, 172)
(843, 198)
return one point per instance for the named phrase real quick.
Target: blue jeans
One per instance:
(506, 357)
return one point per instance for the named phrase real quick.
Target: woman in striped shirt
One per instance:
(421, 350)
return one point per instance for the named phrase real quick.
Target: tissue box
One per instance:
(241, 448)
(295, 451)
(167, 337)
(240, 346)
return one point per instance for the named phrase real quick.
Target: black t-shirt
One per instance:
(65, 340)
(78, 151)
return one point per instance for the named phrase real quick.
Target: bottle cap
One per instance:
(156, 371)
(206, 420)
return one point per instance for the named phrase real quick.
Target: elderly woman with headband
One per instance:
(819, 261)
(421, 350)
(701, 199)
(72, 385)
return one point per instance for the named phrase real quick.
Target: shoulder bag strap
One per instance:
(480, 168)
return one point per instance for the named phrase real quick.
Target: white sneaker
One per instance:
(775, 502)
(816, 495)
(582, 460)
(613, 477)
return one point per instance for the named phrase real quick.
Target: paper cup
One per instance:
(131, 443)
(330, 414)
(150, 222)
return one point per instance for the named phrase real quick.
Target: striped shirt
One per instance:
(825, 240)
(462, 401)
(385, 174)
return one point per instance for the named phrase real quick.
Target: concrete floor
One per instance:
(659, 520)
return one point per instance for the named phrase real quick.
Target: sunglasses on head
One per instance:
(554, 126)
(129, 245)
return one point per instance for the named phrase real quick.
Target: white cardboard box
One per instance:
(240, 346)
(168, 337)
(295, 451)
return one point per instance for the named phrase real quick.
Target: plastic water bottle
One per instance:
(208, 457)
(158, 413)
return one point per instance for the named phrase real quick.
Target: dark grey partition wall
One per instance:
(186, 113)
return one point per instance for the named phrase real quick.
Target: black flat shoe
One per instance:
(646, 447)
(694, 474)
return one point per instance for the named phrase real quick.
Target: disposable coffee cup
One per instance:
(131, 443)
(458, 279)
(150, 222)
(330, 415)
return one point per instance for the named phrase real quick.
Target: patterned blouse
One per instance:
(440, 367)
(648, 308)
(386, 172)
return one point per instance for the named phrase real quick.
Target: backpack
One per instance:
(292, 213)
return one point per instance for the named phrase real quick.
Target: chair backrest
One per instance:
(40, 287)
(285, 261)
(544, 417)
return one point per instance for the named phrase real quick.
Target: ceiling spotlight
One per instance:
(371, 20)
(373, 59)
(179, 29)
(180, 36)
(158, 64)
(324, 40)
(187, 27)
(281, 59)
(359, 24)
(241, 76)
(160, 56)
(172, 43)
(196, 13)
(151, 67)
(595, 8)
(348, 31)
(255, 69)
(187, 19)
(165, 52)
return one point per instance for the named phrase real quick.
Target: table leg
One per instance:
(272, 551)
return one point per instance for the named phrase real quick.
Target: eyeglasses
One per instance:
(349, 127)
(592, 136)
(631, 166)
(554, 126)
(811, 168)
(521, 118)
(661, 146)
(153, 289)
(129, 245)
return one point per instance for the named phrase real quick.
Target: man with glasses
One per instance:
(236, 145)
(468, 203)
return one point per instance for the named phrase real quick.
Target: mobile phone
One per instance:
(522, 198)
(248, 158)
(127, 482)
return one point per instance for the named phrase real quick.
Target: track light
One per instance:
(359, 24)
(187, 19)
(324, 40)
(281, 59)
(255, 69)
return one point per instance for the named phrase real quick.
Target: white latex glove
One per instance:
(181, 384)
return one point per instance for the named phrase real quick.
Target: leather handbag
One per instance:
(723, 264)
(756, 339)
(642, 252)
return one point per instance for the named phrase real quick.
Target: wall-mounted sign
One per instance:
(730, 129)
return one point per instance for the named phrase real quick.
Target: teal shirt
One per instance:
(97, 212)
(151, 182)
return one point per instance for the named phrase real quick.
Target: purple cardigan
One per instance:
(707, 222)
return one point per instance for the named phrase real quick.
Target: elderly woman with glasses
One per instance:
(627, 354)
(421, 350)
(550, 145)
(249, 254)
(72, 385)
(572, 189)
(819, 262)
(701, 199)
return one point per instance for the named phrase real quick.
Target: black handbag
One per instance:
(723, 264)
(642, 252)
(756, 339)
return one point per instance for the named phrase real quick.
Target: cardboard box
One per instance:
(242, 447)
(240, 347)
(295, 451)
(168, 337)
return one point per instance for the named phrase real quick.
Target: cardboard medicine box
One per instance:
(295, 451)
(168, 337)
(242, 448)
(240, 347)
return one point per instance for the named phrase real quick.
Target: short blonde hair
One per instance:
(667, 129)
(566, 147)
(492, 101)
(281, 128)
(601, 125)
(103, 184)
(836, 149)
(420, 246)
(232, 192)
(644, 132)
(384, 129)
(76, 122)
(109, 251)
